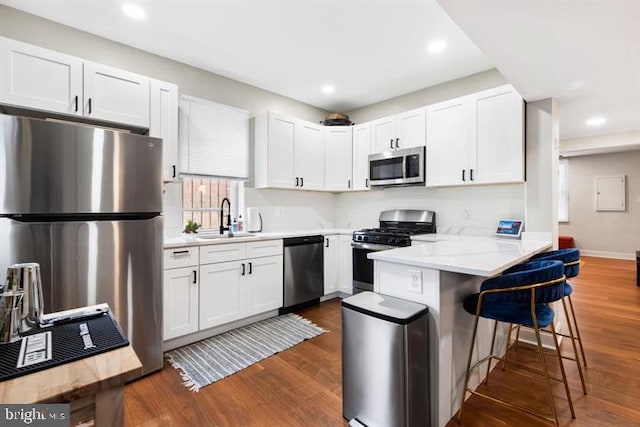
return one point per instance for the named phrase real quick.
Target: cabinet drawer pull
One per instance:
(348, 183)
(463, 178)
(391, 143)
(297, 181)
(397, 142)
(471, 174)
(174, 170)
(366, 182)
(180, 252)
(301, 182)
(250, 268)
(243, 270)
(195, 277)
(89, 105)
(76, 102)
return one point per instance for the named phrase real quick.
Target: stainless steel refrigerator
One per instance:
(85, 203)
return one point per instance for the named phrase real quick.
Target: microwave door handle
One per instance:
(404, 167)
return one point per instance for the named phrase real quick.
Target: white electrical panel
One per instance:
(610, 193)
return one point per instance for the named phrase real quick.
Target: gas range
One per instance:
(397, 227)
(395, 231)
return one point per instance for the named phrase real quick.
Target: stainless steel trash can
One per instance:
(385, 360)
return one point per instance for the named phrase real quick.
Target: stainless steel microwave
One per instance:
(398, 167)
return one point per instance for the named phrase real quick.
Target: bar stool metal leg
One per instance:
(572, 337)
(575, 322)
(562, 371)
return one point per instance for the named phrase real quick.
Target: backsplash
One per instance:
(471, 210)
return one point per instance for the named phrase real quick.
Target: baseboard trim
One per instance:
(606, 254)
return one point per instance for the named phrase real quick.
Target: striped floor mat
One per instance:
(210, 360)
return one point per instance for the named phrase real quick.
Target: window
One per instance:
(563, 182)
(201, 199)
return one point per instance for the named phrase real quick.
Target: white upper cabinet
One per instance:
(404, 130)
(499, 147)
(115, 95)
(361, 150)
(163, 123)
(384, 134)
(42, 79)
(309, 156)
(275, 137)
(338, 158)
(38, 78)
(447, 142)
(476, 139)
(289, 153)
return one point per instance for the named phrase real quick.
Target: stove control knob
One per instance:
(365, 238)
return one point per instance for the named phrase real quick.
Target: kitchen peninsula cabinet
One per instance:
(338, 160)
(476, 139)
(42, 79)
(289, 153)
(404, 130)
(163, 123)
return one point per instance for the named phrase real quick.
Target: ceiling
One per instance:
(584, 53)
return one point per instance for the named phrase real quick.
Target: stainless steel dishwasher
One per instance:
(303, 271)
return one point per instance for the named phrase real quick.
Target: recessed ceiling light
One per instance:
(596, 121)
(437, 46)
(134, 12)
(328, 89)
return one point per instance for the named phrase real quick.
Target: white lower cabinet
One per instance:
(345, 262)
(180, 292)
(331, 263)
(216, 284)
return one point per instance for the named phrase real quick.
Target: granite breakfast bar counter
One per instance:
(439, 271)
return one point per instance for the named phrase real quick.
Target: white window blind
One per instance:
(214, 139)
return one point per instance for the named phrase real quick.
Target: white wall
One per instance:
(611, 234)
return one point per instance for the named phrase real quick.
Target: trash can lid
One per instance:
(388, 308)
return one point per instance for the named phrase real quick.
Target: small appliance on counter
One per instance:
(254, 220)
(511, 228)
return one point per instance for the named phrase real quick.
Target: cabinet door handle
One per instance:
(348, 183)
(174, 170)
(180, 252)
(243, 269)
(366, 182)
(471, 174)
(301, 182)
(89, 105)
(397, 142)
(195, 277)
(391, 143)
(463, 175)
(250, 268)
(297, 181)
(76, 102)
(327, 243)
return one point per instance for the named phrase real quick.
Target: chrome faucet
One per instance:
(222, 227)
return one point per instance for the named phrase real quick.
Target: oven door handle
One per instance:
(371, 246)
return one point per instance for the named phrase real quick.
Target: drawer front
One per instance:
(180, 257)
(222, 252)
(264, 248)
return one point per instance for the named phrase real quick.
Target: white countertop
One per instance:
(199, 240)
(479, 256)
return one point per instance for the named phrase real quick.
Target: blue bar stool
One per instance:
(521, 296)
(571, 259)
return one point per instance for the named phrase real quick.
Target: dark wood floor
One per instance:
(302, 386)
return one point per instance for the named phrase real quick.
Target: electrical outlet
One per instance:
(415, 281)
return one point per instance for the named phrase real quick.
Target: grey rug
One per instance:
(210, 360)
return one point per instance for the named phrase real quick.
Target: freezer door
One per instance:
(53, 168)
(84, 263)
